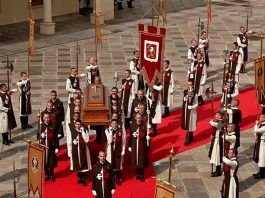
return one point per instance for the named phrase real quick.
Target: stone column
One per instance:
(47, 26)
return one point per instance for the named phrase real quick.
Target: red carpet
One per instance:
(170, 135)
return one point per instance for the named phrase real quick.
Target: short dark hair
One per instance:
(167, 62)
(134, 52)
(203, 32)
(2, 85)
(114, 88)
(129, 71)
(22, 73)
(114, 120)
(53, 91)
(235, 43)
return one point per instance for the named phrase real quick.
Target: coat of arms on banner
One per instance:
(151, 49)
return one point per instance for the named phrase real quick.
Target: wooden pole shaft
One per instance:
(153, 12)
(96, 44)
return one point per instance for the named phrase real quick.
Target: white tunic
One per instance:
(231, 138)
(261, 131)
(135, 74)
(215, 157)
(234, 94)
(3, 117)
(232, 186)
(170, 89)
(158, 116)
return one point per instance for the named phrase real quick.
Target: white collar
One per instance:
(167, 69)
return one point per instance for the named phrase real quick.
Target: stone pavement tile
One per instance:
(190, 175)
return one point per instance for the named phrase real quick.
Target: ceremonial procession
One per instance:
(132, 98)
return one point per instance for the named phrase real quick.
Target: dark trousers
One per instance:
(24, 121)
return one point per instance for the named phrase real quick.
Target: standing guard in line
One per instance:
(189, 112)
(192, 56)
(103, 180)
(204, 47)
(49, 138)
(115, 148)
(24, 100)
(80, 152)
(230, 186)
(230, 90)
(259, 149)
(168, 88)
(128, 94)
(230, 139)
(242, 40)
(199, 71)
(4, 108)
(137, 76)
(140, 99)
(216, 148)
(59, 109)
(92, 71)
(138, 146)
(235, 61)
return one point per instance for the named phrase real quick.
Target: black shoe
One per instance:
(118, 181)
(29, 126)
(5, 142)
(259, 176)
(186, 143)
(129, 3)
(23, 127)
(47, 178)
(142, 179)
(120, 6)
(256, 174)
(137, 176)
(11, 141)
(165, 115)
(79, 181)
(52, 179)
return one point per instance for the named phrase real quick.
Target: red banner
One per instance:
(151, 51)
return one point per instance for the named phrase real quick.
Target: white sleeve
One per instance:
(236, 92)
(158, 88)
(2, 108)
(230, 138)
(239, 63)
(123, 138)
(195, 105)
(204, 76)
(69, 87)
(85, 135)
(229, 162)
(214, 124)
(259, 130)
(190, 55)
(20, 83)
(108, 136)
(133, 69)
(239, 43)
(171, 90)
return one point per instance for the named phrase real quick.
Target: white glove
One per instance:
(94, 192)
(112, 191)
(228, 95)
(147, 137)
(189, 107)
(63, 123)
(225, 109)
(75, 141)
(149, 126)
(123, 153)
(56, 151)
(130, 149)
(148, 111)
(82, 75)
(59, 135)
(184, 98)
(43, 135)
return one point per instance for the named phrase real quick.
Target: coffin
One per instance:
(95, 103)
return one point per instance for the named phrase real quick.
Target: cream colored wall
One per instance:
(13, 11)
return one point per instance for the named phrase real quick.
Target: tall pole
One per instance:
(261, 44)
(170, 164)
(29, 53)
(96, 44)
(153, 12)
(14, 180)
(208, 17)
(199, 27)
(77, 56)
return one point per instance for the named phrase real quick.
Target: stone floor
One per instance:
(191, 172)
(50, 64)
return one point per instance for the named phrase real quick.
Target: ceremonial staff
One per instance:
(39, 126)
(200, 26)
(9, 68)
(77, 56)
(148, 124)
(170, 164)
